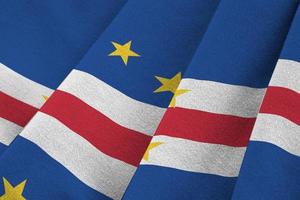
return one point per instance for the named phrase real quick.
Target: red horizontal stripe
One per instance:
(282, 101)
(109, 137)
(206, 127)
(15, 111)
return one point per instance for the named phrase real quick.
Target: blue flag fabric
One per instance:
(49, 38)
(246, 59)
(270, 165)
(98, 123)
(132, 99)
(40, 44)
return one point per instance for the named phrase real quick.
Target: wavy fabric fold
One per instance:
(152, 100)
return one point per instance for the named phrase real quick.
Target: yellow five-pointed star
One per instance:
(123, 51)
(176, 94)
(13, 193)
(168, 84)
(150, 147)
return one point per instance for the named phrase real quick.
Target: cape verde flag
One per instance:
(271, 166)
(134, 100)
(198, 148)
(40, 42)
(90, 135)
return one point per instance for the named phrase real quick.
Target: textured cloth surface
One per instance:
(152, 100)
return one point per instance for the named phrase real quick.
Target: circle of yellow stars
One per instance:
(124, 51)
(167, 84)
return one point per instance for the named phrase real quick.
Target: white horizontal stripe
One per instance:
(22, 88)
(286, 74)
(117, 106)
(8, 131)
(94, 168)
(220, 98)
(278, 131)
(196, 156)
